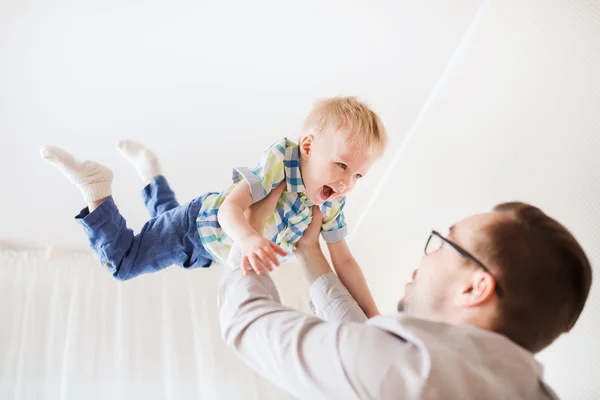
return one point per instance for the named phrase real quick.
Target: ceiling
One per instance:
(207, 85)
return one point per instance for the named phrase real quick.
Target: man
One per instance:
(500, 287)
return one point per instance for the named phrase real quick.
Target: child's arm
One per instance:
(256, 249)
(352, 277)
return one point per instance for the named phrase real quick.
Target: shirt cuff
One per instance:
(256, 188)
(331, 301)
(326, 289)
(335, 236)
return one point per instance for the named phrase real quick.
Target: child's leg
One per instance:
(171, 238)
(93, 180)
(158, 195)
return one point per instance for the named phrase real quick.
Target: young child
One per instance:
(341, 139)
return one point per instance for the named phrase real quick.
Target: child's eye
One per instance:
(358, 176)
(342, 166)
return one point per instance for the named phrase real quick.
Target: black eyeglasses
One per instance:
(436, 241)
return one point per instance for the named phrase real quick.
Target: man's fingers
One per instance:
(271, 201)
(279, 189)
(259, 212)
(310, 237)
(317, 216)
(315, 224)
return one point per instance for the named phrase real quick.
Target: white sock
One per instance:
(93, 179)
(143, 159)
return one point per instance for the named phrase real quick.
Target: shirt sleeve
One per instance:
(334, 226)
(331, 301)
(267, 174)
(304, 355)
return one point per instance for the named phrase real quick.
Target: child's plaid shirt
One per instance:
(293, 212)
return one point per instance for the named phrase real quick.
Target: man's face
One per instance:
(443, 275)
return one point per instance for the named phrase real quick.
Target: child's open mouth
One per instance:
(326, 192)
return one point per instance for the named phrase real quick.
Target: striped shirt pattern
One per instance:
(293, 212)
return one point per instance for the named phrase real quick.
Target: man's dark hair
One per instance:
(543, 271)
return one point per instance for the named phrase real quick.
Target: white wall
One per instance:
(516, 117)
(486, 101)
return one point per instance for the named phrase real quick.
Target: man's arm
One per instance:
(351, 275)
(301, 353)
(304, 355)
(330, 300)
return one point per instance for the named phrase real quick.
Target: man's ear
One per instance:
(477, 290)
(305, 144)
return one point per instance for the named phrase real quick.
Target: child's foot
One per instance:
(143, 159)
(93, 179)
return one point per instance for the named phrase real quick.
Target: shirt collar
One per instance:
(293, 178)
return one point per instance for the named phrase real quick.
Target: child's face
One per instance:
(331, 165)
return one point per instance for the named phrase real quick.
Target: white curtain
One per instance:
(70, 331)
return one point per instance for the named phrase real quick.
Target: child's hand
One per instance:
(258, 252)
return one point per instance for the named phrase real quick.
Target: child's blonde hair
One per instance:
(350, 116)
